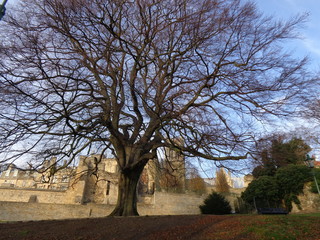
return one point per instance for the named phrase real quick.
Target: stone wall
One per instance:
(32, 195)
(20, 205)
(158, 204)
(18, 211)
(70, 196)
(162, 203)
(310, 202)
(55, 205)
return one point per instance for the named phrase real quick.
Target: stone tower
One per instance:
(175, 163)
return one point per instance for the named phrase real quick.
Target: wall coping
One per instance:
(32, 189)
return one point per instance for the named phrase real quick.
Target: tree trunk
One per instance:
(127, 193)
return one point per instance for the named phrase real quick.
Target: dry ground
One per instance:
(197, 227)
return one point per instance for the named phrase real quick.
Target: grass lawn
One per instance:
(185, 227)
(292, 226)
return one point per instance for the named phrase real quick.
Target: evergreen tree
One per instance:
(215, 204)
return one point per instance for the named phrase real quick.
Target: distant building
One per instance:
(233, 182)
(16, 178)
(95, 179)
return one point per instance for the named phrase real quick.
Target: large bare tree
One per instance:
(132, 76)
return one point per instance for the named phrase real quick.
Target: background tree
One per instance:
(169, 181)
(291, 180)
(275, 152)
(221, 182)
(263, 192)
(3, 9)
(129, 77)
(195, 182)
(279, 190)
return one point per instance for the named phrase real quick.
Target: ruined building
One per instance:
(94, 180)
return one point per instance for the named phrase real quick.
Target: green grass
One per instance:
(289, 227)
(307, 215)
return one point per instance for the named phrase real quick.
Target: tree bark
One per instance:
(127, 193)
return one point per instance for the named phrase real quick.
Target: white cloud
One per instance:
(312, 45)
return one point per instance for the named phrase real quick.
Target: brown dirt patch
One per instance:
(195, 227)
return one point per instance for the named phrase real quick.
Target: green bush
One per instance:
(313, 186)
(215, 204)
(282, 188)
(264, 192)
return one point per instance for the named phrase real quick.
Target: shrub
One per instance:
(264, 191)
(282, 188)
(215, 204)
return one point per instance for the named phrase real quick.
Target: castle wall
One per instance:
(160, 204)
(26, 195)
(71, 196)
(163, 203)
(14, 211)
(310, 202)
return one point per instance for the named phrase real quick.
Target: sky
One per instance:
(309, 44)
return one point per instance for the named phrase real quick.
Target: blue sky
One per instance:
(284, 9)
(309, 44)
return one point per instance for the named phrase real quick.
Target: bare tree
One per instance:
(278, 150)
(132, 76)
(195, 183)
(222, 185)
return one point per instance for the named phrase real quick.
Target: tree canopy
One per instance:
(281, 174)
(275, 152)
(263, 192)
(130, 77)
(281, 189)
